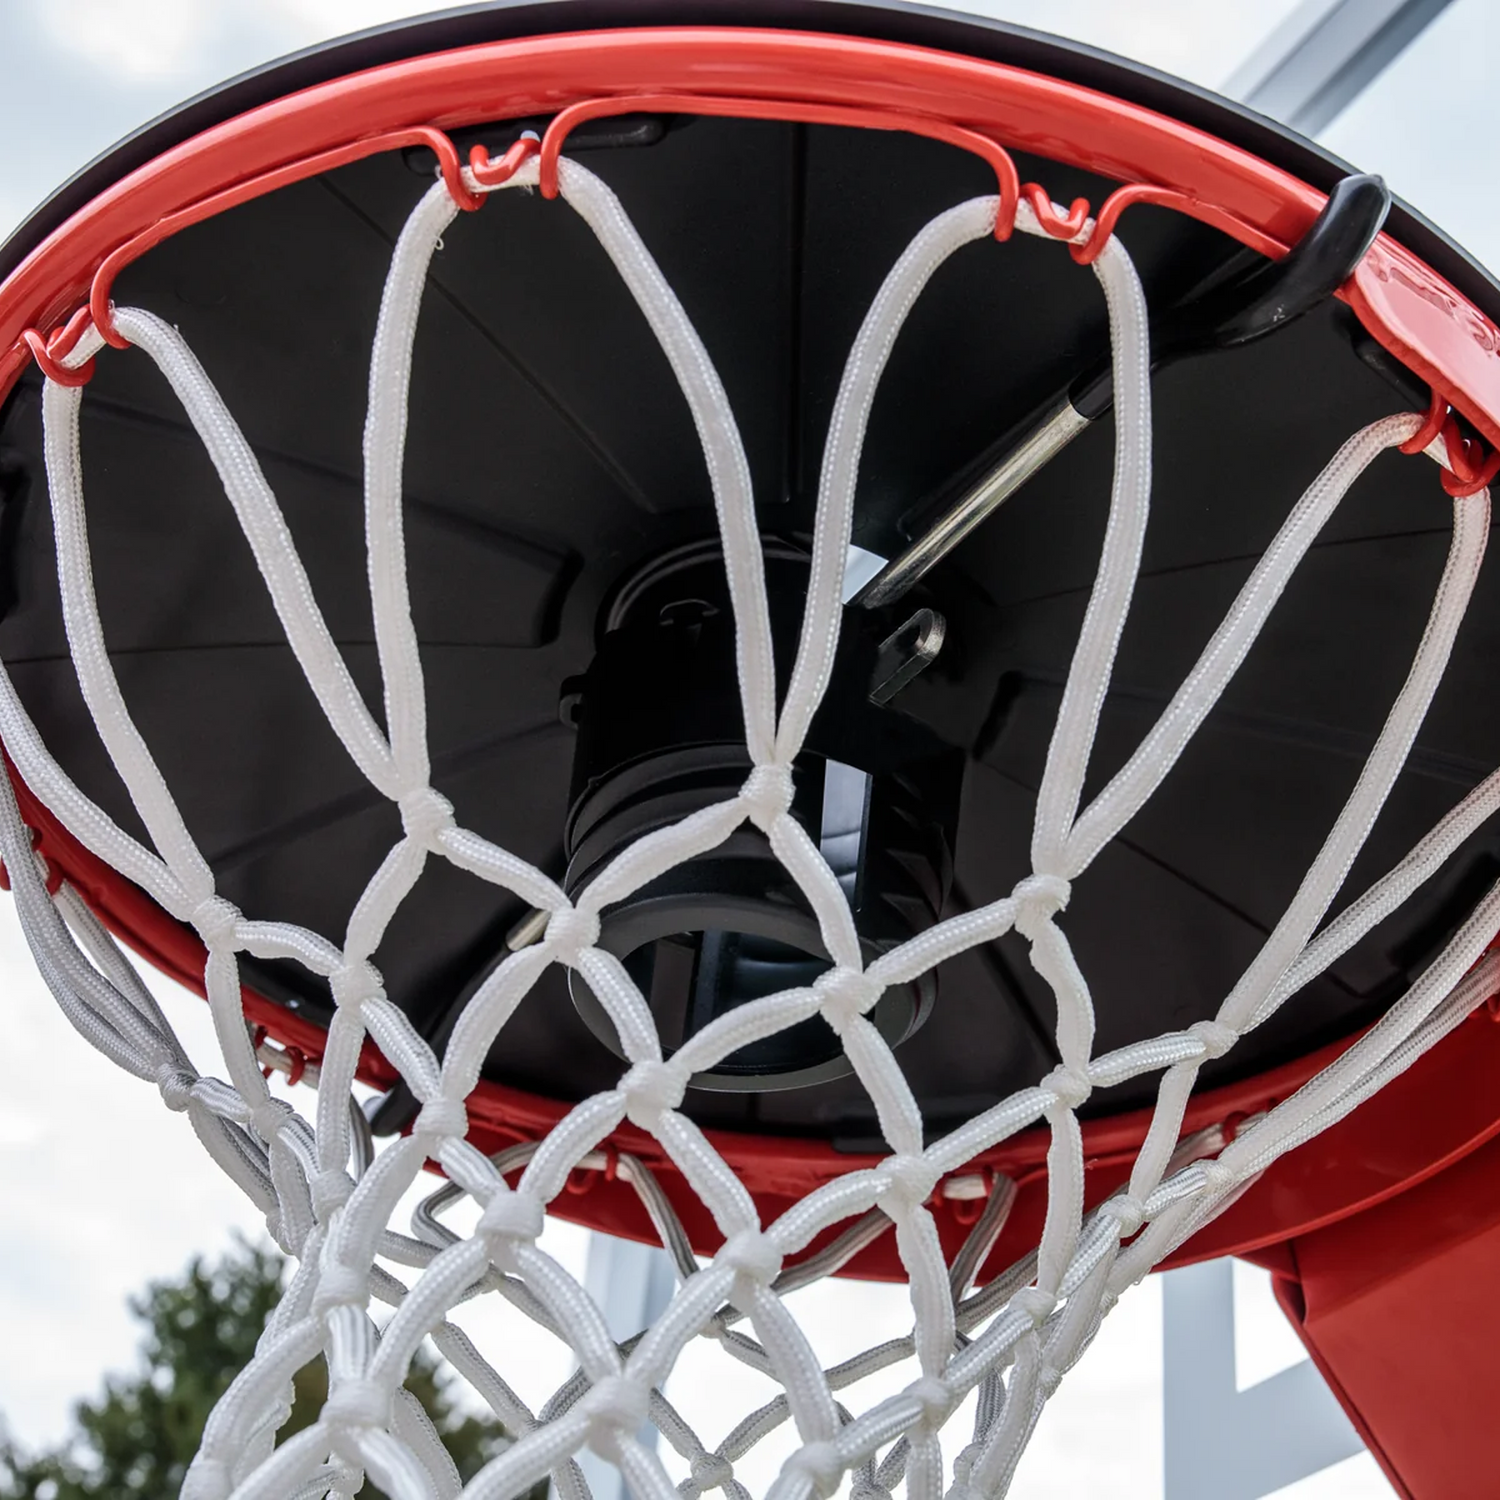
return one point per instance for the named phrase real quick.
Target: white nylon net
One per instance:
(1010, 1340)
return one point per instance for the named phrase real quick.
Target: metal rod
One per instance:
(1055, 431)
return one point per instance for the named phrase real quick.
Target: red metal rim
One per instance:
(1405, 1134)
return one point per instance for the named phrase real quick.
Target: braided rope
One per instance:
(1013, 1339)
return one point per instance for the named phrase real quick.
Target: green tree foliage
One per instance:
(135, 1441)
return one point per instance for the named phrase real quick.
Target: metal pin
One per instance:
(1055, 431)
(527, 931)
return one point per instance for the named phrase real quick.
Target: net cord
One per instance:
(1015, 1337)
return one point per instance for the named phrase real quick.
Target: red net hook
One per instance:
(991, 151)
(1145, 192)
(491, 171)
(1059, 226)
(50, 352)
(1437, 414)
(436, 141)
(1470, 466)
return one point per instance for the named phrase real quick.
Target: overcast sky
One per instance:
(104, 1189)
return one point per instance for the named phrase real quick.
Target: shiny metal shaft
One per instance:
(1060, 426)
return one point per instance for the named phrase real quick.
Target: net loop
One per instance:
(217, 921)
(767, 794)
(1216, 1037)
(425, 814)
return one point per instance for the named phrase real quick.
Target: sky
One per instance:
(104, 1189)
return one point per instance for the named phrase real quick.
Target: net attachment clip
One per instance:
(1235, 308)
(50, 351)
(1471, 466)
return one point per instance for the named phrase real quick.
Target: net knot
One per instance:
(936, 1399)
(355, 982)
(1127, 1211)
(424, 815)
(442, 1120)
(176, 1085)
(358, 1403)
(269, 1116)
(330, 1191)
(821, 1463)
(616, 1405)
(1038, 899)
(1071, 1086)
(844, 994)
(216, 920)
(509, 1219)
(1217, 1038)
(767, 795)
(712, 1471)
(651, 1089)
(570, 931)
(751, 1254)
(1036, 1302)
(911, 1181)
(339, 1286)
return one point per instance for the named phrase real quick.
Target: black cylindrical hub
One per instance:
(661, 734)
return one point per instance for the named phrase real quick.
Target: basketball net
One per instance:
(328, 1199)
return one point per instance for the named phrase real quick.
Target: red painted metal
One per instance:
(807, 113)
(1438, 1113)
(1404, 303)
(1397, 1309)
